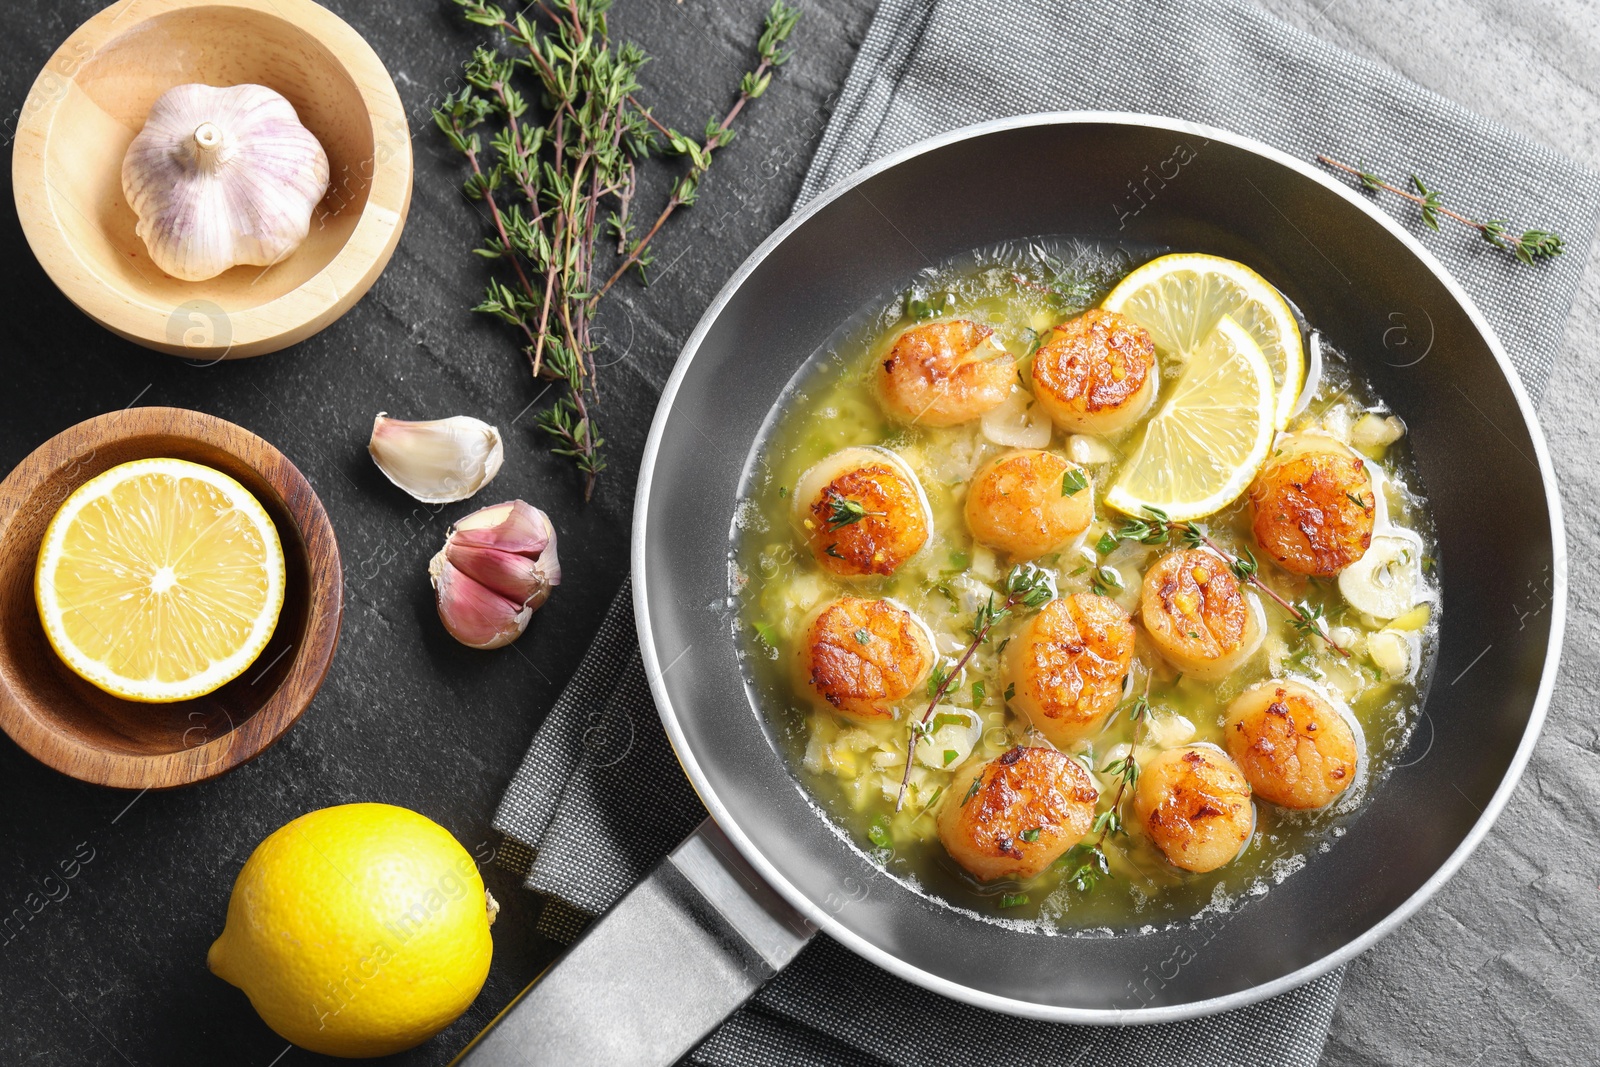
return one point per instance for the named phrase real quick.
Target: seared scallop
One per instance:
(862, 657)
(862, 512)
(1312, 506)
(1067, 664)
(1096, 374)
(1293, 746)
(1028, 502)
(1015, 815)
(1194, 803)
(944, 373)
(1197, 615)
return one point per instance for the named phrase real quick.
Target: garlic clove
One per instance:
(440, 461)
(496, 569)
(515, 526)
(476, 616)
(1018, 422)
(221, 177)
(515, 577)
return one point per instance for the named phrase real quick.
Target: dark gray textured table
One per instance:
(1500, 967)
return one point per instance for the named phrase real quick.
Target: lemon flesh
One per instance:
(1202, 447)
(1181, 297)
(357, 930)
(160, 580)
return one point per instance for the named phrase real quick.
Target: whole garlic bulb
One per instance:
(223, 177)
(496, 569)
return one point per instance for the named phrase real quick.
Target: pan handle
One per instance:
(654, 975)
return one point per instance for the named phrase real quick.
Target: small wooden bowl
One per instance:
(92, 98)
(91, 735)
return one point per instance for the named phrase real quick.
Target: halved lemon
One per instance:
(159, 580)
(1202, 447)
(1180, 297)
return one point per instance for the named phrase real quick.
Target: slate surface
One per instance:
(1498, 969)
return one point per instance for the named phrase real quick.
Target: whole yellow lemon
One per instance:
(357, 930)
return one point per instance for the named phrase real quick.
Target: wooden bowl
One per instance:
(92, 98)
(90, 734)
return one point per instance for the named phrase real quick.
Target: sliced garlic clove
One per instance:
(954, 733)
(1373, 433)
(1386, 581)
(440, 461)
(1392, 652)
(1018, 422)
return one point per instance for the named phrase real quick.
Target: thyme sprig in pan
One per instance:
(1026, 588)
(558, 178)
(1157, 529)
(1086, 864)
(1526, 246)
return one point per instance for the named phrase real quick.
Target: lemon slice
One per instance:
(1180, 297)
(1200, 450)
(159, 580)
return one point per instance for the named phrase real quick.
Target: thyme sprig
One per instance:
(1158, 529)
(552, 186)
(842, 511)
(1087, 864)
(1026, 588)
(1526, 246)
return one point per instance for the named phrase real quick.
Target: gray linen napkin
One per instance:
(600, 798)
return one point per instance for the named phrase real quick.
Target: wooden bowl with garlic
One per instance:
(216, 179)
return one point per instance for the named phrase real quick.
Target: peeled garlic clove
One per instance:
(223, 177)
(1018, 422)
(1086, 450)
(496, 569)
(437, 462)
(476, 616)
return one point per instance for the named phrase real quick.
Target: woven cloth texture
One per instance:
(600, 798)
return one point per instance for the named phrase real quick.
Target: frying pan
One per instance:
(741, 896)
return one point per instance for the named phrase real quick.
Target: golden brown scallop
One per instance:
(1194, 803)
(1197, 615)
(1096, 373)
(1067, 664)
(1016, 814)
(1296, 750)
(945, 373)
(862, 512)
(1312, 506)
(862, 657)
(1028, 502)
